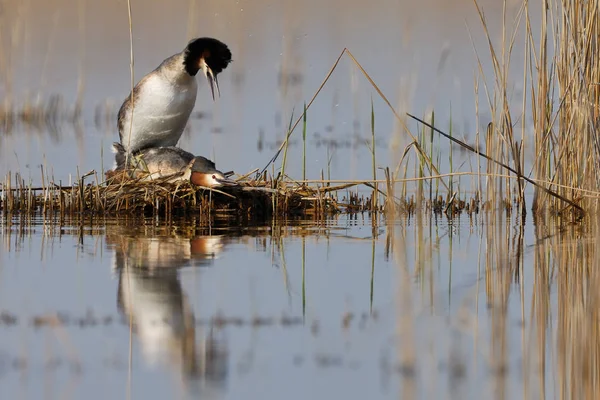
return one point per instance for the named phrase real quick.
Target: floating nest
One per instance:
(253, 198)
(256, 197)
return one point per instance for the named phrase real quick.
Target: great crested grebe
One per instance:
(166, 161)
(164, 99)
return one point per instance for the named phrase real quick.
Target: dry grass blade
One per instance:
(300, 118)
(429, 162)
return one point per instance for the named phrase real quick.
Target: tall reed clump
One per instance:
(570, 148)
(501, 141)
(561, 98)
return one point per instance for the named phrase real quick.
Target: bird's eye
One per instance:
(214, 177)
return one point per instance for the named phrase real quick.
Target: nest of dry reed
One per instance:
(255, 198)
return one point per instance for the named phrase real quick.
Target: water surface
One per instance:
(425, 308)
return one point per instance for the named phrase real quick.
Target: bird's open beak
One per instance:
(211, 78)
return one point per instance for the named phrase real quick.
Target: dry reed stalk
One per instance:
(574, 144)
(560, 74)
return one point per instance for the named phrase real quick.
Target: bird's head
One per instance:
(209, 55)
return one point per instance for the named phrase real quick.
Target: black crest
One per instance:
(215, 53)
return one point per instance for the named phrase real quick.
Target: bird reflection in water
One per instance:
(150, 295)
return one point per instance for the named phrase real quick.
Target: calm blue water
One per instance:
(151, 311)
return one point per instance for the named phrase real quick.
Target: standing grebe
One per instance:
(164, 99)
(166, 161)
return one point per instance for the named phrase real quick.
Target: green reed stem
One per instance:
(375, 192)
(304, 144)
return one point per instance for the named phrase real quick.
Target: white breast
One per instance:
(161, 112)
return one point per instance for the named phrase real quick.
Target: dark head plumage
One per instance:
(202, 164)
(204, 173)
(209, 55)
